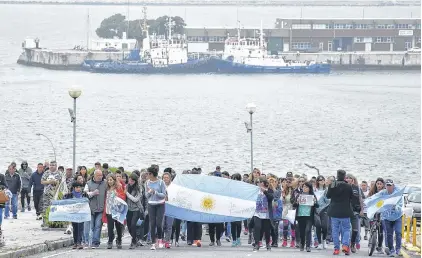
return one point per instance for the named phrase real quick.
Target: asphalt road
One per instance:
(185, 251)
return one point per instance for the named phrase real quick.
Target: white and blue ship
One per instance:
(241, 55)
(250, 55)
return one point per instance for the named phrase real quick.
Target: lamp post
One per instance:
(74, 93)
(54, 149)
(251, 108)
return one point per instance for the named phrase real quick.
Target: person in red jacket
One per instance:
(114, 189)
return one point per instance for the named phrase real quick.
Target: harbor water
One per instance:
(367, 123)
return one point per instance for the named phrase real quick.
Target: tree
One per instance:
(115, 25)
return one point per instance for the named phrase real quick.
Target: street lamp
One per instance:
(74, 93)
(54, 149)
(251, 108)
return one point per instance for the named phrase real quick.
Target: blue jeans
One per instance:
(1, 216)
(14, 203)
(340, 225)
(392, 227)
(86, 231)
(228, 231)
(96, 224)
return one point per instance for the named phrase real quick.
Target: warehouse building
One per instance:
(316, 35)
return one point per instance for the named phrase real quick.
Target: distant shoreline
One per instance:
(306, 3)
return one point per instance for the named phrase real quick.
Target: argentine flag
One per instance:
(382, 201)
(210, 199)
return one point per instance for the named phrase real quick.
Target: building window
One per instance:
(319, 26)
(363, 26)
(419, 40)
(384, 40)
(196, 39)
(359, 40)
(343, 26)
(418, 26)
(386, 26)
(301, 26)
(404, 26)
(301, 45)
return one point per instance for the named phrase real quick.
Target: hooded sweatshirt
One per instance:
(25, 173)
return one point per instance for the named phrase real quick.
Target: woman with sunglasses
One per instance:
(156, 193)
(321, 217)
(287, 193)
(261, 219)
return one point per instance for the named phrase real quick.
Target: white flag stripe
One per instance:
(208, 203)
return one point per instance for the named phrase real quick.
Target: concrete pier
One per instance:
(64, 59)
(363, 60)
(73, 59)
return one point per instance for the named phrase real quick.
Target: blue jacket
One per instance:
(395, 212)
(35, 181)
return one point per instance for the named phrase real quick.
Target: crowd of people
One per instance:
(336, 213)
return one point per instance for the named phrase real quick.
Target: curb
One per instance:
(410, 248)
(47, 246)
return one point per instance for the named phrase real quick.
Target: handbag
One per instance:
(3, 196)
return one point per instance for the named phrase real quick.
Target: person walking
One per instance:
(78, 228)
(156, 193)
(25, 173)
(135, 209)
(37, 189)
(51, 180)
(14, 183)
(263, 214)
(392, 220)
(305, 213)
(340, 211)
(96, 190)
(114, 190)
(168, 221)
(236, 226)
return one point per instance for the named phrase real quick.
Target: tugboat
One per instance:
(158, 55)
(250, 55)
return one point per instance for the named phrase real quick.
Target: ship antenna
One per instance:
(169, 28)
(261, 36)
(238, 31)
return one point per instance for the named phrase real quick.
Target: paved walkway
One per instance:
(25, 234)
(26, 231)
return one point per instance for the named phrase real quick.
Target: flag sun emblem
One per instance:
(379, 204)
(207, 203)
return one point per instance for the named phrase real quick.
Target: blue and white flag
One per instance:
(118, 209)
(72, 210)
(210, 199)
(381, 201)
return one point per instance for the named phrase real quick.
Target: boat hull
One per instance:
(192, 66)
(228, 66)
(212, 65)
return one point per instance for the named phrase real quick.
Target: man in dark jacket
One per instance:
(14, 182)
(38, 189)
(340, 211)
(25, 173)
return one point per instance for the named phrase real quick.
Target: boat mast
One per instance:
(238, 31)
(87, 31)
(261, 37)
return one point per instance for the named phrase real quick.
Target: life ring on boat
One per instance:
(171, 61)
